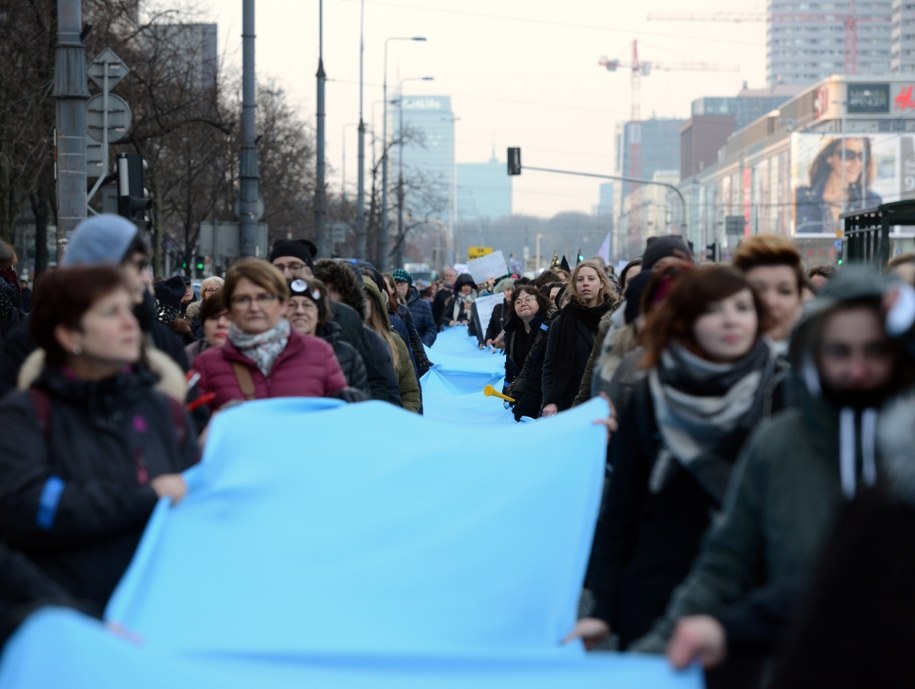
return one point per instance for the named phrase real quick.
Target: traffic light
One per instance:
(199, 264)
(713, 252)
(133, 200)
(514, 161)
(580, 256)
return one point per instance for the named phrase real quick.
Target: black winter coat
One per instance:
(353, 331)
(422, 317)
(645, 542)
(349, 359)
(74, 480)
(584, 343)
(23, 589)
(526, 388)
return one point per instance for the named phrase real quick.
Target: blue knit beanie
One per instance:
(102, 238)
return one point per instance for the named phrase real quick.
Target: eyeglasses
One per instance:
(210, 290)
(526, 300)
(263, 300)
(294, 267)
(849, 154)
(302, 304)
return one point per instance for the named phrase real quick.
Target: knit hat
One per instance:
(168, 298)
(657, 248)
(103, 238)
(635, 288)
(400, 275)
(302, 249)
(504, 284)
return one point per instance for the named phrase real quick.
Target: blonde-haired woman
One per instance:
(590, 296)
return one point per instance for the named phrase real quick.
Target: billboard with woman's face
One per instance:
(831, 175)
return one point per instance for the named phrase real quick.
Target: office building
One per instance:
(426, 126)
(484, 191)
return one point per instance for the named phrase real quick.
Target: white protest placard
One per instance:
(489, 266)
(484, 307)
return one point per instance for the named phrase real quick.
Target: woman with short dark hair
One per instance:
(525, 344)
(88, 444)
(708, 383)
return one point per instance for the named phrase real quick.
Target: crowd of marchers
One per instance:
(759, 488)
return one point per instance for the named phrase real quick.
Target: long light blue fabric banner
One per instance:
(453, 389)
(332, 545)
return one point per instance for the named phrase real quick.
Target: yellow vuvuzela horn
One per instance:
(490, 391)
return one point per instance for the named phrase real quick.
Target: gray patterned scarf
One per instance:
(262, 348)
(704, 411)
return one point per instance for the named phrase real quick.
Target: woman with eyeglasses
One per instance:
(840, 180)
(525, 344)
(310, 313)
(264, 357)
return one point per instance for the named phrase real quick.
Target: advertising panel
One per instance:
(832, 174)
(868, 98)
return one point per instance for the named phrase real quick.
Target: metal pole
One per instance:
(384, 244)
(360, 195)
(71, 92)
(618, 177)
(321, 235)
(248, 170)
(383, 235)
(385, 239)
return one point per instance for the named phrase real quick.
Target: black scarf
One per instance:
(568, 367)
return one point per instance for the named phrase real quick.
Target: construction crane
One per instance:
(639, 68)
(849, 18)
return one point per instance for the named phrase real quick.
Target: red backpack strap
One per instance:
(179, 420)
(41, 403)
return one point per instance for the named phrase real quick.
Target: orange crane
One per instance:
(639, 68)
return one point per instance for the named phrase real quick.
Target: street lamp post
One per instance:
(384, 147)
(343, 159)
(383, 244)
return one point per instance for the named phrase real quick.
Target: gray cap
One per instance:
(102, 238)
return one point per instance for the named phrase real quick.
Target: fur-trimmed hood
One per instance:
(171, 379)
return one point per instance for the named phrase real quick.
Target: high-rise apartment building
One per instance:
(902, 47)
(806, 42)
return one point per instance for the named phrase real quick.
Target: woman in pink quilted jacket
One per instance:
(263, 356)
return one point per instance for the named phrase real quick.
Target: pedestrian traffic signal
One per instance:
(514, 161)
(133, 199)
(712, 252)
(199, 264)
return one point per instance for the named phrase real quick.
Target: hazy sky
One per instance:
(519, 72)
